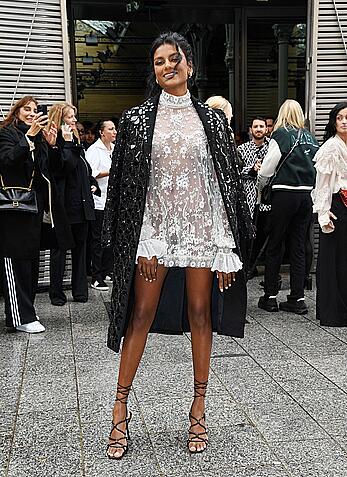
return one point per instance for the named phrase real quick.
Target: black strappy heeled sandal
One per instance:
(196, 437)
(120, 442)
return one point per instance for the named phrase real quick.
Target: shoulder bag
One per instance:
(21, 199)
(267, 189)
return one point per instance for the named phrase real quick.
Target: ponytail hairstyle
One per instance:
(100, 126)
(330, 128)
(168, 38)
(12, 117)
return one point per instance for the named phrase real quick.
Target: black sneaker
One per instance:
(99, 285)
(294, 306)
(268, 304)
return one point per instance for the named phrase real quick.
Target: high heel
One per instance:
(120, 442)
(196, 437)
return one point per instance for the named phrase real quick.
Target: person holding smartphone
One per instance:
(75, 184)
(24, 143)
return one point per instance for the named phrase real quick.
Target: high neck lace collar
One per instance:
(172, 101)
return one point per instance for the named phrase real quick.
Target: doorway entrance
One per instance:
(252, 54)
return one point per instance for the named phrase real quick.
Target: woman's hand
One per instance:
(39, 122)
(67, 132)
(51, 135)
(330, 227)
(148, 268)
(225, 280)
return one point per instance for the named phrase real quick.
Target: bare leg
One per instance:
(199, 287)
(147, 296)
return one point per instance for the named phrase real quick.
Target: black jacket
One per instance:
(20, 232)
(73, 178)
(124, 212)
(298, 172)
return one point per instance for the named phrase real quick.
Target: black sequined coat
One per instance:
(126, 198)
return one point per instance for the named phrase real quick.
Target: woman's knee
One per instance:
(142, 319)
(199, 315)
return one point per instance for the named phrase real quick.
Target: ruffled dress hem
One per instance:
(224, 261)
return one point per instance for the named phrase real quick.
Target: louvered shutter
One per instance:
(32, 56)
(329, 68)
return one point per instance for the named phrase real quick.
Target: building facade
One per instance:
(36, 56)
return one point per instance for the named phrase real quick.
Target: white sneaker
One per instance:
(34, 327)
(99, 286)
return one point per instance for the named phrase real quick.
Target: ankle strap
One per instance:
(200, 388)
(123, 391)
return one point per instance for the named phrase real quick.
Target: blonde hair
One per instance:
(219, 102)
(290, 114)
(57, 113)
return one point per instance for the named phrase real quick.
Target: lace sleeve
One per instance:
(113, 190)
(322, 195)
(149, 246)
(326, 160)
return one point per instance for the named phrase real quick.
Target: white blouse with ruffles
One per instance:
(331, 166)
(185, 222)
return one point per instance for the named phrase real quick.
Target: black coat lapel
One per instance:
(149, 123)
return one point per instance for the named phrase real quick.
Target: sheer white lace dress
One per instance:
(185, 223)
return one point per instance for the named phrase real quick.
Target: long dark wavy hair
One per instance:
(12, 117)
(330, 128)
(167, 38)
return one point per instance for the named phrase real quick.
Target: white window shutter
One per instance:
(31, 51)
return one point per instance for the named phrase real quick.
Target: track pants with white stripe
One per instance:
(20, 279)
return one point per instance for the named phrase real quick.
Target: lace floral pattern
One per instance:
(331, 166)
(185, 223)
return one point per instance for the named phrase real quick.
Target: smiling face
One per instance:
(341, 123)
(27, 113)
(258, 129)
(171, 69)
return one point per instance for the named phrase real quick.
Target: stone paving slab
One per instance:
(276, 404)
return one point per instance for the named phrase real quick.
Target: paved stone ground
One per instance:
(277, 400)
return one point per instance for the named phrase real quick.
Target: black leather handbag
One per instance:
(21, 199)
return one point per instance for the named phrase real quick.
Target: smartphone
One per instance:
(42, 108)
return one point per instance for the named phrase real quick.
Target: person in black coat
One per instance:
(75, 185)
(174, 186)
(24, 145)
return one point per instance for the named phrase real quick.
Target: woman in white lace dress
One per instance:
(183, 226)
(330, 201)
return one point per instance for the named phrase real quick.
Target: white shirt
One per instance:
(331, 166)
(100, 159)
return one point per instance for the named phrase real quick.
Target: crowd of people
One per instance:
(177, 214)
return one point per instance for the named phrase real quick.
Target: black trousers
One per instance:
(331, 270)
(102, 262)
(79, 282)
(290, 217)
(20, 278)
